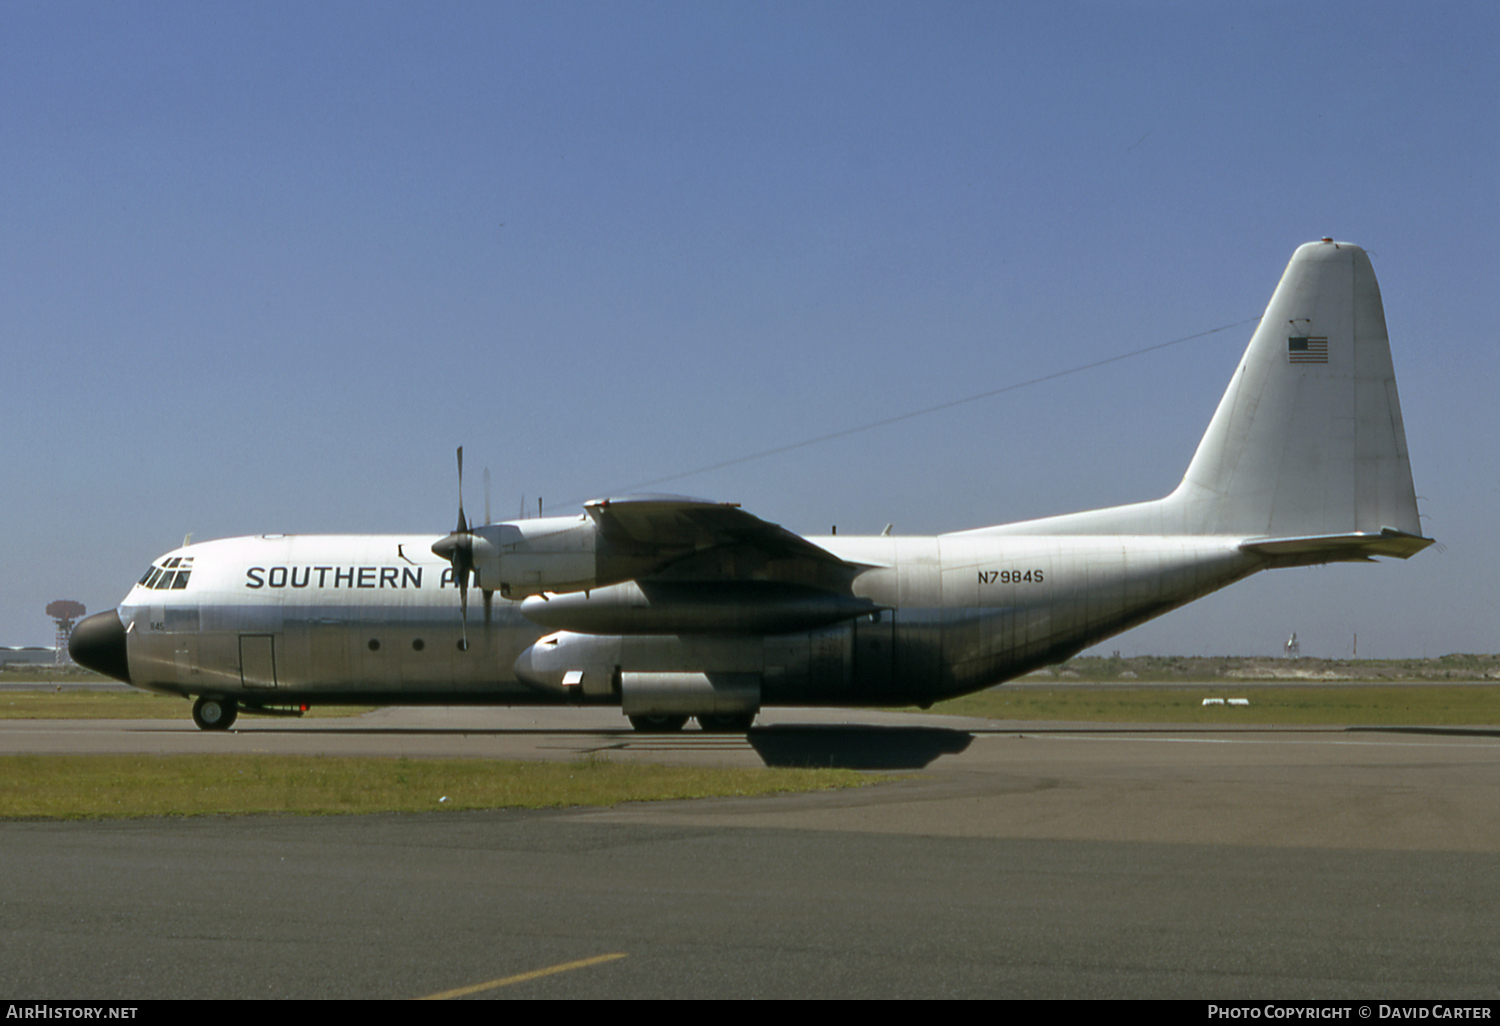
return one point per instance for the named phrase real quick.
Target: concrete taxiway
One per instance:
(1010, 860)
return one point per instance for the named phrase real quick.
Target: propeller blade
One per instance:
(463, 607)
(463, 524)
(458, 549)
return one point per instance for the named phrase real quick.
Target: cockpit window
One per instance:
(167, 575)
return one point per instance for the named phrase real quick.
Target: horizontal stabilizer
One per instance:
(1336, 548)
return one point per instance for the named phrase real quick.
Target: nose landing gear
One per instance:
(214, 713)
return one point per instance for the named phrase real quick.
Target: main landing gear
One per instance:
(215, 713)
(658, 724)
(729, 723)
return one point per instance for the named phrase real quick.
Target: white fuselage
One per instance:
(283, 619)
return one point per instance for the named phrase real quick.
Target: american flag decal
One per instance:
(1307, 349)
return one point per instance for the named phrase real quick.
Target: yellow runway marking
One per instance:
(522, 978)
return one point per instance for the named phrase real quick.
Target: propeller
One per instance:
(488, 593)
(458, 549)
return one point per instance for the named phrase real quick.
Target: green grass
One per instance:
(121, 786)
(117, 705)
(1151, 669)
(1292, 705)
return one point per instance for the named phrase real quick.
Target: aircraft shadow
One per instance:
(856, 747)
(1448, 731)
(842, 746)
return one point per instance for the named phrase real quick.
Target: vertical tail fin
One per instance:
(1305, 458)
(1308, 440)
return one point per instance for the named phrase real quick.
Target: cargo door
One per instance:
(258, 660)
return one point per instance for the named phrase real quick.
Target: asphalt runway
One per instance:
(1012, 860)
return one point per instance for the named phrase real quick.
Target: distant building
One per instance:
(33, 655)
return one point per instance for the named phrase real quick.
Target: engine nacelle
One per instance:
(528, 557)
(552, 554)
(695, 607)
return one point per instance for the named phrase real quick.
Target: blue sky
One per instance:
(264, 266)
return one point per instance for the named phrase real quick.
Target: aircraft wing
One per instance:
(673, 565)
(674, 526)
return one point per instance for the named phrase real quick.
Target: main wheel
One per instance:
(214, 713)
(658, 724)
(727, 723)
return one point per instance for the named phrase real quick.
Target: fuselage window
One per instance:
(180, 579)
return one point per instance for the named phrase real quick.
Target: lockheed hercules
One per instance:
(672, 608)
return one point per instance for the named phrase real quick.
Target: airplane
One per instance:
(671, 607)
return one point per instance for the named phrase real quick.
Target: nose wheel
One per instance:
(214, 713)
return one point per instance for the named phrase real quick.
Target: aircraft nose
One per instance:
(98, 643)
